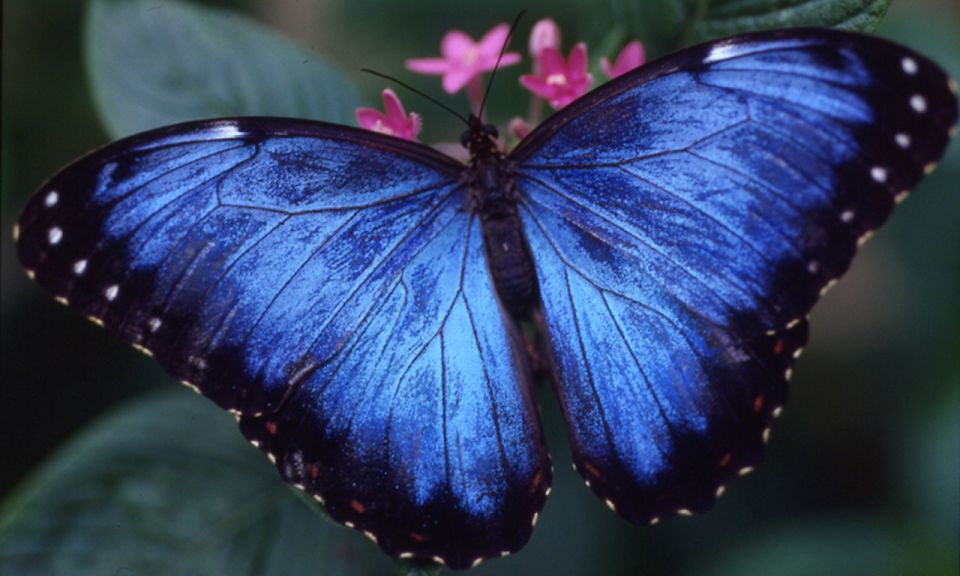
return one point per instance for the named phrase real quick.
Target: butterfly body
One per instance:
(495, 198)
(352, 297)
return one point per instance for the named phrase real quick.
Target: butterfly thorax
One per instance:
(494, 197)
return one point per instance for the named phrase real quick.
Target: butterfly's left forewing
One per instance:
(685, 218)
(327, 286)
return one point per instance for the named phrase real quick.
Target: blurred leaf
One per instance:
(666, 25)
(168, 486)
(727, 17)
(930, 468)
(153, 64)
(848, 547)
(415, 568)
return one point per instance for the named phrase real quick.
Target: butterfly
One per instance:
(354, 299)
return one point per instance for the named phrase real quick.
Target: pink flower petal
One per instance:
(629, 58)
(393, 107)
(396, 122)
(509, 59)
(492, 41)
(605, 66)
(560, 81)
(519, 128)
(370, 118)
(537, 84)
(456, 44)
(413, 127)
(545, 34)
(428, 65)
(465, 60)
(577, 63)
(456, 79)
(551, 62)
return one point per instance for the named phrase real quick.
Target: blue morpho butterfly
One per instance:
(354, 298)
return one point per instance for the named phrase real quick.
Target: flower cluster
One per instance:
(556, 80)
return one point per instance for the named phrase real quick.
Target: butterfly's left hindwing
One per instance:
(685, 218)
(326, 285)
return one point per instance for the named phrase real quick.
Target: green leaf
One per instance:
(849, 546)
(666, 25)
(158, 63)
(167, 485)
(727, 17)
(418, 568)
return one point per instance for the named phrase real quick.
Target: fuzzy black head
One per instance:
(480, 139)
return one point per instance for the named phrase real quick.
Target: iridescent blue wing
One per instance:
(327, 286)
(685, 218)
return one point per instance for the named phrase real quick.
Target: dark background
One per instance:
(863, 470)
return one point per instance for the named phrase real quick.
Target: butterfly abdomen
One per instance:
(507, 252)
(510, 264)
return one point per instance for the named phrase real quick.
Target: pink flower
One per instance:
(463, 59)
(519, 128)
(560, 82)
(396, 122)
(629, 58)
(545, 34)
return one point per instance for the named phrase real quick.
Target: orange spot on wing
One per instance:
(537, 479)
(358, 506)
(313, 470)
(271, 427)
(778, 347)
(725, 461)
(758, 403)
(591, 469)
(418, 538)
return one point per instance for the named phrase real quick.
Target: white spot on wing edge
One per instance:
(879, 174)
(193, 387)
(476, 562)
(111, 292)
(16, 232)
(154, 324)
(142, 349)
(847, 216)
(226, 130)
(721, 51)
(51, 199)
(54, 235)
(909, 65)
(918, 103)
(902, 139)
(828, 286)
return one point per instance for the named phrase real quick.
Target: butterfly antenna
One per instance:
(503, 50)
(417, 92)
